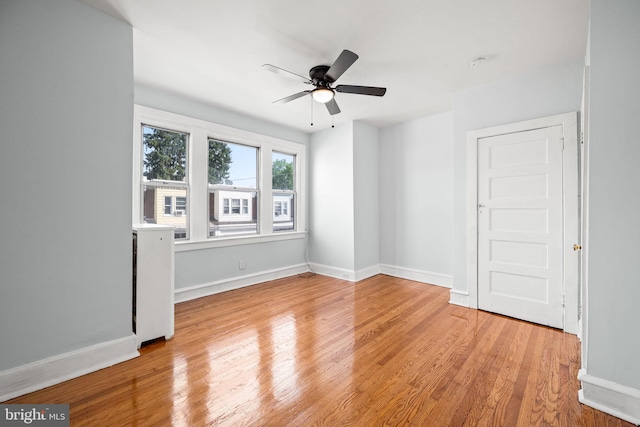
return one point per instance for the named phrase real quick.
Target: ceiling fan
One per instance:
(322, 77)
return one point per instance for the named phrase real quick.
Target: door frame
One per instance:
(570, 208)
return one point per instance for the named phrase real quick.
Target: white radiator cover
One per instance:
(154, 281)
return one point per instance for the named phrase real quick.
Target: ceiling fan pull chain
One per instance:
(311, 110)
(332, 122)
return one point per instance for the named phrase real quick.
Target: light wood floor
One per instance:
(321, 351)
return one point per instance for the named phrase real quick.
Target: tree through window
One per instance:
(164, 170)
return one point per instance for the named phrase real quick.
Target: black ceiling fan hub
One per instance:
(318, 75)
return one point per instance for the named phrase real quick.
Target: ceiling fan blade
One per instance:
(361, 90)
(344, 61)
(286, 73)
(332, 107)
(292, 97)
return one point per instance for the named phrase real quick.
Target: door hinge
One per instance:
(561, 144)
(563, 301)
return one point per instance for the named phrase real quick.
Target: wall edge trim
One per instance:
(607, 396)
(223, 285)
(52, 370)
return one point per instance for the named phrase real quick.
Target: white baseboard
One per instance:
(610, 397)
(338, 273)
(390, 270)
(429, 277)
(43, 373)
(458, 297)
(365, 273)
(206, 289)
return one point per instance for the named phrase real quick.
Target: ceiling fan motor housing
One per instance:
(318, 75)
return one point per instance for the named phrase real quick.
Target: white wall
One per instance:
(344, 203)
(66, 112)
(416, 196)
(550, 91)
(331, 210)
(211, 268)
(614, 200)
(366, 195)
(166, 101)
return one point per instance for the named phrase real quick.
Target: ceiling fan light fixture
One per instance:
(322, 94)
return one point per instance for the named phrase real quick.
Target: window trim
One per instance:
(199, 132)
(161, 183)
(291, 193)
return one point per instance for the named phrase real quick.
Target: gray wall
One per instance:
(366, 202)
(210, 265)
(166, 101)
(332, 200)
(344, 194)
(66, 108)
(614, 200)
(416, 194)
(554, 90)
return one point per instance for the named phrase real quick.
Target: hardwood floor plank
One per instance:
(495, 410)
(306, 351)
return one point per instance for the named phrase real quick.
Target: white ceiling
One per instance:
(212, 50)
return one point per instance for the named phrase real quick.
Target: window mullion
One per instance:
(198, 184)
(266, 199)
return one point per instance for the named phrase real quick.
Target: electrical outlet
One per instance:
(241, 265)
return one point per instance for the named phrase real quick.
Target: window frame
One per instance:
(241, 191)
(161, 183)
(284, 205)
(168, 205)
(199, 132)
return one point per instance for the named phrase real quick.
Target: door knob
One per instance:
(577, 247)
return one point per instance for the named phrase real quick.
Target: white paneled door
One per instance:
(520, 234)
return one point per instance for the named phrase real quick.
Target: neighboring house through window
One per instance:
(283, 184)
(164, 178)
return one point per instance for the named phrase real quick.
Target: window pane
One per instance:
(158, 208)
(232, 164)
(164, 154)
(235, 206)
(181, 205)
(283, 218)
(232, 212)
(168, 205)
(282, 170)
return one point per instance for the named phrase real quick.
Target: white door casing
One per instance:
(520, 225)
(570, 213)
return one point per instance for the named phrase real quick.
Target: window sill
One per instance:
(221, 242)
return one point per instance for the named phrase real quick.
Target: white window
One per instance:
(221, 185)
(284, 190)
(233, 178)
(164, 178)
(181, 205)
(168, 205)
